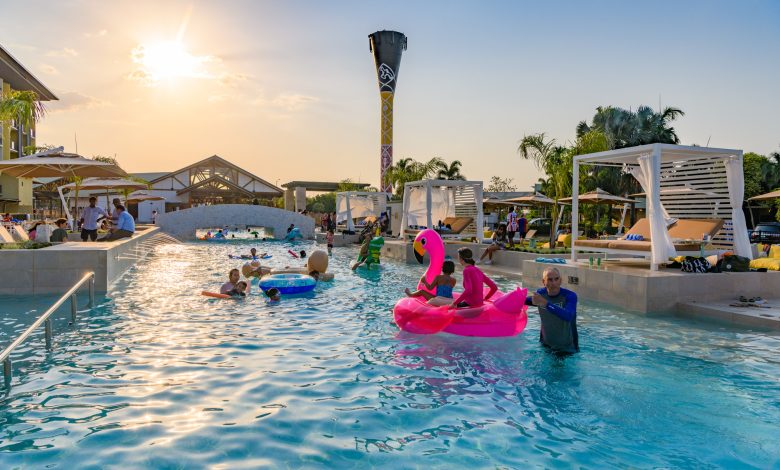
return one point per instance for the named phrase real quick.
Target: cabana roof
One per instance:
(669, 153)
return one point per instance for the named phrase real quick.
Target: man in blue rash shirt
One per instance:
(558, 313)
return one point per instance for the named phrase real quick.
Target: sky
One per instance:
(288, 89)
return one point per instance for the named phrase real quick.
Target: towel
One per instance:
(551, 260)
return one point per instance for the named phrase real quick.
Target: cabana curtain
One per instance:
(352, 205)
(655, 211)
(639, 175)
(736, 182)
(442, 205)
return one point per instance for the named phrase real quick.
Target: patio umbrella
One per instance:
(103, 183)
(535, 199)
(58, 163)
(767, 196)
(140, 196)
(762, 197)
(599, 196)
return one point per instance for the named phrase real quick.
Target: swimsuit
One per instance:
(444, 291)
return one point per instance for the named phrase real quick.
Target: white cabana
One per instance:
(352, 205)
(429, 201)
(680, 182)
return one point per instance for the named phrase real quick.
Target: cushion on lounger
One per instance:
(774, 251)
(641, 227)
(693, 229)
(458, 224)
(771, 264)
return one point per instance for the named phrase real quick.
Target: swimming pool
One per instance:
(159, 376)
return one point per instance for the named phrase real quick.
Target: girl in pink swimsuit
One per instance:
(473, 279)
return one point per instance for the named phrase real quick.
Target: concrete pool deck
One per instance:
(631, 285)
(55, 269)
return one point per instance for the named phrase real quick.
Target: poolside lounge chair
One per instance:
(683, 234)
(457, 224)
(5, 236)
(20, 234)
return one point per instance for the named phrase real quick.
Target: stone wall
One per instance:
(56, 269)
(182, 224)
(646, 291)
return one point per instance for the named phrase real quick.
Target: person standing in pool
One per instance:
(557, 312)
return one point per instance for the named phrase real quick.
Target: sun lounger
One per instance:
(20, 234)
(5, 236)
(686, 236)
(457, 226)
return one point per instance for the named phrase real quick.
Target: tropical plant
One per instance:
(501, 185)
(556, 162)
(407, 170)
(752, 166)
(450, 172)
(625, 128)
(22, 106)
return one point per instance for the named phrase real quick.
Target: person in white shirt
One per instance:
(89, 220)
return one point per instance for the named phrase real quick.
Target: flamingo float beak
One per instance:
(419, 251)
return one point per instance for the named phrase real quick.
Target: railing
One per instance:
(5, 356)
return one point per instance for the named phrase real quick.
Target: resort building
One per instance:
(213, 180)
(16, 194)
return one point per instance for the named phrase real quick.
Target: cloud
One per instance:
(285, 101)
(49, 69)
(74, 101)
(232, 80)
(98, 34)
(64, 52)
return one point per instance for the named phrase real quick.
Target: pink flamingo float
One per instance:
(501, 315)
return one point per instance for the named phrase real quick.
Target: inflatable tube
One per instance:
(323, 276)
(293, 254)
(216, 295)
(288, 283)
(502, 315)
(293, 234)
(505, 315)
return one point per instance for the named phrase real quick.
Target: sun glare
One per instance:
(168, 61)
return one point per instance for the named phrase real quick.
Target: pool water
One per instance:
(161, 377)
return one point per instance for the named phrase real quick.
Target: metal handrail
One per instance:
(5, 356)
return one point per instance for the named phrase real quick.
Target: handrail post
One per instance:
(92, 291)
(73, 310)
(47, 328)
(8, 371)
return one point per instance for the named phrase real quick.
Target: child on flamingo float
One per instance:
(443, 284)
(473, 279)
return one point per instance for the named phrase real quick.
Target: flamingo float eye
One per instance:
(422, 242)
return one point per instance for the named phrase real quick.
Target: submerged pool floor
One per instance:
(161, 377)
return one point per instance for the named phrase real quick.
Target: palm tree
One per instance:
(556, 162)
(450, 172)
(626, 128)
(407, 170)
(22, 106)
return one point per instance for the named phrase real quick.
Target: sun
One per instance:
(168, 61)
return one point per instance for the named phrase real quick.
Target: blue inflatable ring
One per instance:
(288, 283)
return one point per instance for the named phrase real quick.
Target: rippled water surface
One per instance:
(160, 377)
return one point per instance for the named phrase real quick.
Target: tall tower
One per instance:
(387, 47)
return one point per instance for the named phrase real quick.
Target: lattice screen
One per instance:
(465, 206)
(698, 189)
